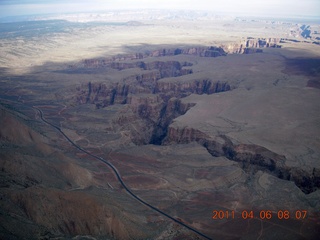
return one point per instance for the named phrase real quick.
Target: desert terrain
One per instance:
(198, 113)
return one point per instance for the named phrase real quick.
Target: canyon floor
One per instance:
(214, 121)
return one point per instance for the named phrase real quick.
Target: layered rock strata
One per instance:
(153, 101)
(252, 45)
(251, 158)
(248, 46)
(117, 61)
(156, 103)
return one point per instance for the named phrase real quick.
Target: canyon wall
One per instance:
(118, 61)
(252, 45)
(103, 94)
(252, 158)
(248, 46)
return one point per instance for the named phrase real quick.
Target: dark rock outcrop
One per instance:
(169, 111)
(101, 94)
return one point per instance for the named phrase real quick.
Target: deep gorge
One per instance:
(159, 111)
(157, 103)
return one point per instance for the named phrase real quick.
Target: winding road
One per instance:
(115, 170)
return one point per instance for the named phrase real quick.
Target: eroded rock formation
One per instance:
(151, 100)
(103, 94)
(118, 62)
(248, 46)
(157, 103)
(252, 45)
(251, 158)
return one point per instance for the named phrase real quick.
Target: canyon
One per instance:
(192, 127)
(162, 105)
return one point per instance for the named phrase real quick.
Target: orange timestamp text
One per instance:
(263, 214)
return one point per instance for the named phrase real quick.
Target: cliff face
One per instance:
(103, 94)
(149, 117)
(252, 45)
(252, 158)
(165, 69)
(197, 51)
(118, 62)
(169, 111)
(248, 46)
(197, 87)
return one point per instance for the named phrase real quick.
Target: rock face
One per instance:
(103, 94)
(152, 100)
(252, 45)
(117, 61)
(253, 158)
(165, 69)
(248, 46)
(205, 86)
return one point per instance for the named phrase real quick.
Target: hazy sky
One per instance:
(285, 8)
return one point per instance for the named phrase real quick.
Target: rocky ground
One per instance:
(192, 128)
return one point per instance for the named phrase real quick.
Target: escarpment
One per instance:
(165, 69)
(248, 46)
(105, 93)
(146, 81)
(252, 45)
(251, 158)
(102, 95)
(205, 86)
(117, 61)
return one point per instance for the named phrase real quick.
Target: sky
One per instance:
(284, 8)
